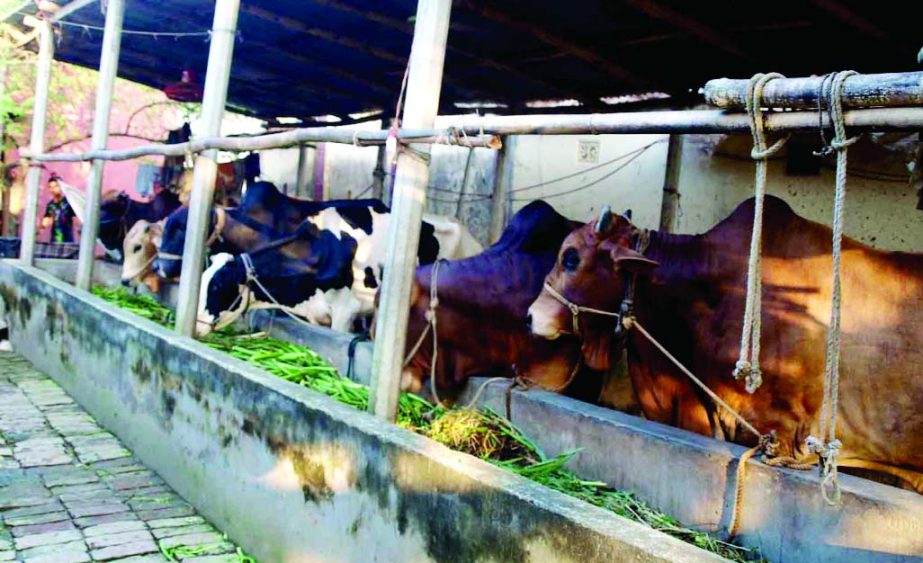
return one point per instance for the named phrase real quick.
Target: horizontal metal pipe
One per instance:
(483, 131)
(895, 89)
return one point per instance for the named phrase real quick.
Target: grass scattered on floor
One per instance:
(483, 434)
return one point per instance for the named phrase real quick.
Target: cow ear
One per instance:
(632, 261)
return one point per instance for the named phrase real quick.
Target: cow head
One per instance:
(140, 249)
(168, 265)
(112, 209)
(223, 294)
(312, 261)
(593, 265)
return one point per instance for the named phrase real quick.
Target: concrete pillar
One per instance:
(670, 202)
(220, 56)
(427, 56)
(108, 70)
(37, 142)
(302, 172)
(503, 179)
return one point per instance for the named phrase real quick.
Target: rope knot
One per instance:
(742, 369)
(839, 145)
(757, 154)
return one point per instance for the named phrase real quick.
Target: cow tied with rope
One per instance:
(689, 294)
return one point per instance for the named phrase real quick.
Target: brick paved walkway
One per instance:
(70, 492)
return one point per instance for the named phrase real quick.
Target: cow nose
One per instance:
(126, 283)
(529, 321)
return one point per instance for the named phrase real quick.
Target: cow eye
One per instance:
(570, 259)
(137, 248)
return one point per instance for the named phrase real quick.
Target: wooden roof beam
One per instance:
(852, 19)
(332, 37)
(398, 24)
(694, 27)
(587, 55)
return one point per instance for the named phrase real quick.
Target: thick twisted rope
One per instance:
(827, 447)
(748, 364)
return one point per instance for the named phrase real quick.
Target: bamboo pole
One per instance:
(37, 141)
(108, 68)
(220, 57)
(669, 122)
(503, 180)
(287, 139)
(670, 201)
(427, 57)
(895, 89)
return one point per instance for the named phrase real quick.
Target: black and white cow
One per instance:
(283, 274)
(264, 214)
(440, 238)
(338, 305)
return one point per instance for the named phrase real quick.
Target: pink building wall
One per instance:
(121, 175)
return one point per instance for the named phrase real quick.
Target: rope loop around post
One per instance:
(827, 446)
(748, 364)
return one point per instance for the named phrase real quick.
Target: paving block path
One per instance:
(71, 492)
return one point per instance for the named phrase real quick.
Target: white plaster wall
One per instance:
(629, 183)
(717, 175)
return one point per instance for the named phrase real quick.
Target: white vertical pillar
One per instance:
(427, 56)
(670, 201)
(220, 56)
(37, 142)
(108, 69)
(302, 172)
(503, 179)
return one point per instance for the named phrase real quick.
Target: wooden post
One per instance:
(427, 56)
(670, 200)
(6, 198)
(302, 172)
(108, 69)
(503, 179)
(220, 56)
(37, 141)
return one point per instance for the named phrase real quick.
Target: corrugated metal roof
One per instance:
(305, 58)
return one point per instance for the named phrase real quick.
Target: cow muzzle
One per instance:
(544, 318)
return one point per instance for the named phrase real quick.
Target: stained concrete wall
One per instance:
(292, 475)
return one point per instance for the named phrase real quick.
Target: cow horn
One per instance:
(627, 214)
(605, 219)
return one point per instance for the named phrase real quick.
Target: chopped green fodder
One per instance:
(181, 552)
(483, 434)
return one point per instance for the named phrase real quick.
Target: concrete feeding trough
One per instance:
(289, 474)
(685, 475)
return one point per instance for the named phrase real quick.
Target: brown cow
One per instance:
(482, 308)
(693, 303)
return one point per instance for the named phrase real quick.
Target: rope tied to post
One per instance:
(431, 326)
(748, 364)
(827, 447)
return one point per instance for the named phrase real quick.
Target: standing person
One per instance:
(58, 214)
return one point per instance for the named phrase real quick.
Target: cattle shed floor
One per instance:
(71, 492)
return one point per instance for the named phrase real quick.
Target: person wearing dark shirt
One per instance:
(58, 214)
